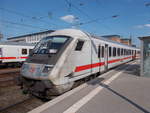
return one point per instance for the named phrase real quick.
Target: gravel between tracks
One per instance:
(10, 95)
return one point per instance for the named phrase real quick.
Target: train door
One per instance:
(0, 54)
(99, 56)
(106, 57)
(134, 54)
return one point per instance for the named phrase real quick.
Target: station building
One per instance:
(126, 41)
(117, 38)
(31, 38)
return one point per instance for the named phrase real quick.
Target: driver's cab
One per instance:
(49, 49)
(44, 56)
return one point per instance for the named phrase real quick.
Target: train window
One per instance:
(118, 51)
(130, 52)
(121, 51)
(127, 52)
(114, 51)
(110, 51)
(99, 51)
(0, 51)
(124, 51)
(79, 45)
(24, 51)
(102, 51)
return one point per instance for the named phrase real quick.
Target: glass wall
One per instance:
(146, 57)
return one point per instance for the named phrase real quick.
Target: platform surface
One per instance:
(121, 90)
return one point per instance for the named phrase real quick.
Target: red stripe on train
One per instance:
(13, 58)
(81, 68)
(8, 58)
(89, 66)
(23, 57)
(113, 61)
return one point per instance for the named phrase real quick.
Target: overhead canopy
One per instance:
(145, 37)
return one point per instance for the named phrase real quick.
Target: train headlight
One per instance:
(47, 68)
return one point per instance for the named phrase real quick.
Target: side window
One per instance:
(114, 51)
(0, 51)
(121, 51)
(99, 51)
(79, 45)
(24, 51)
(110, 52)
(130, 52)
(118, 51)
(124, 51)
(102, 51)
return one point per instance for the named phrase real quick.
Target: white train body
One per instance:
(73, 56)
(12, 53)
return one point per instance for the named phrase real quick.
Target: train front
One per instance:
(38, 67)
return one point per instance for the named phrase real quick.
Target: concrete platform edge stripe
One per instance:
(65, 95)
(75, 107)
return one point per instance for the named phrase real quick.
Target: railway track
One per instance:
(9, 70)
(8, 76)
(23, 106)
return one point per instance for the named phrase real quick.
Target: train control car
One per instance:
(66, 56)
(13, 53)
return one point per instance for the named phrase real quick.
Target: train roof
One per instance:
(16, 43)
(16, 37)
(80, 33)
(111, 41)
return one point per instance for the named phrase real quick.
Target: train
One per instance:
(67, 56)
(13, 54)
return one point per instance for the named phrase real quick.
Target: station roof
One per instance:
(144, 37)
(126, 39)
(48, 31)
(110, 36)
(16, 43)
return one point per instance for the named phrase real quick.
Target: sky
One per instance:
(127, 18)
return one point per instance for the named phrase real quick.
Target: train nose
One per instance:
(35, 71)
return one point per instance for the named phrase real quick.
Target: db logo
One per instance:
(32, 69)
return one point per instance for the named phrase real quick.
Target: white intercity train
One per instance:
(66, 56)
(13, 53)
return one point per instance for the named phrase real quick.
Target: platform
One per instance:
(121, 90)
